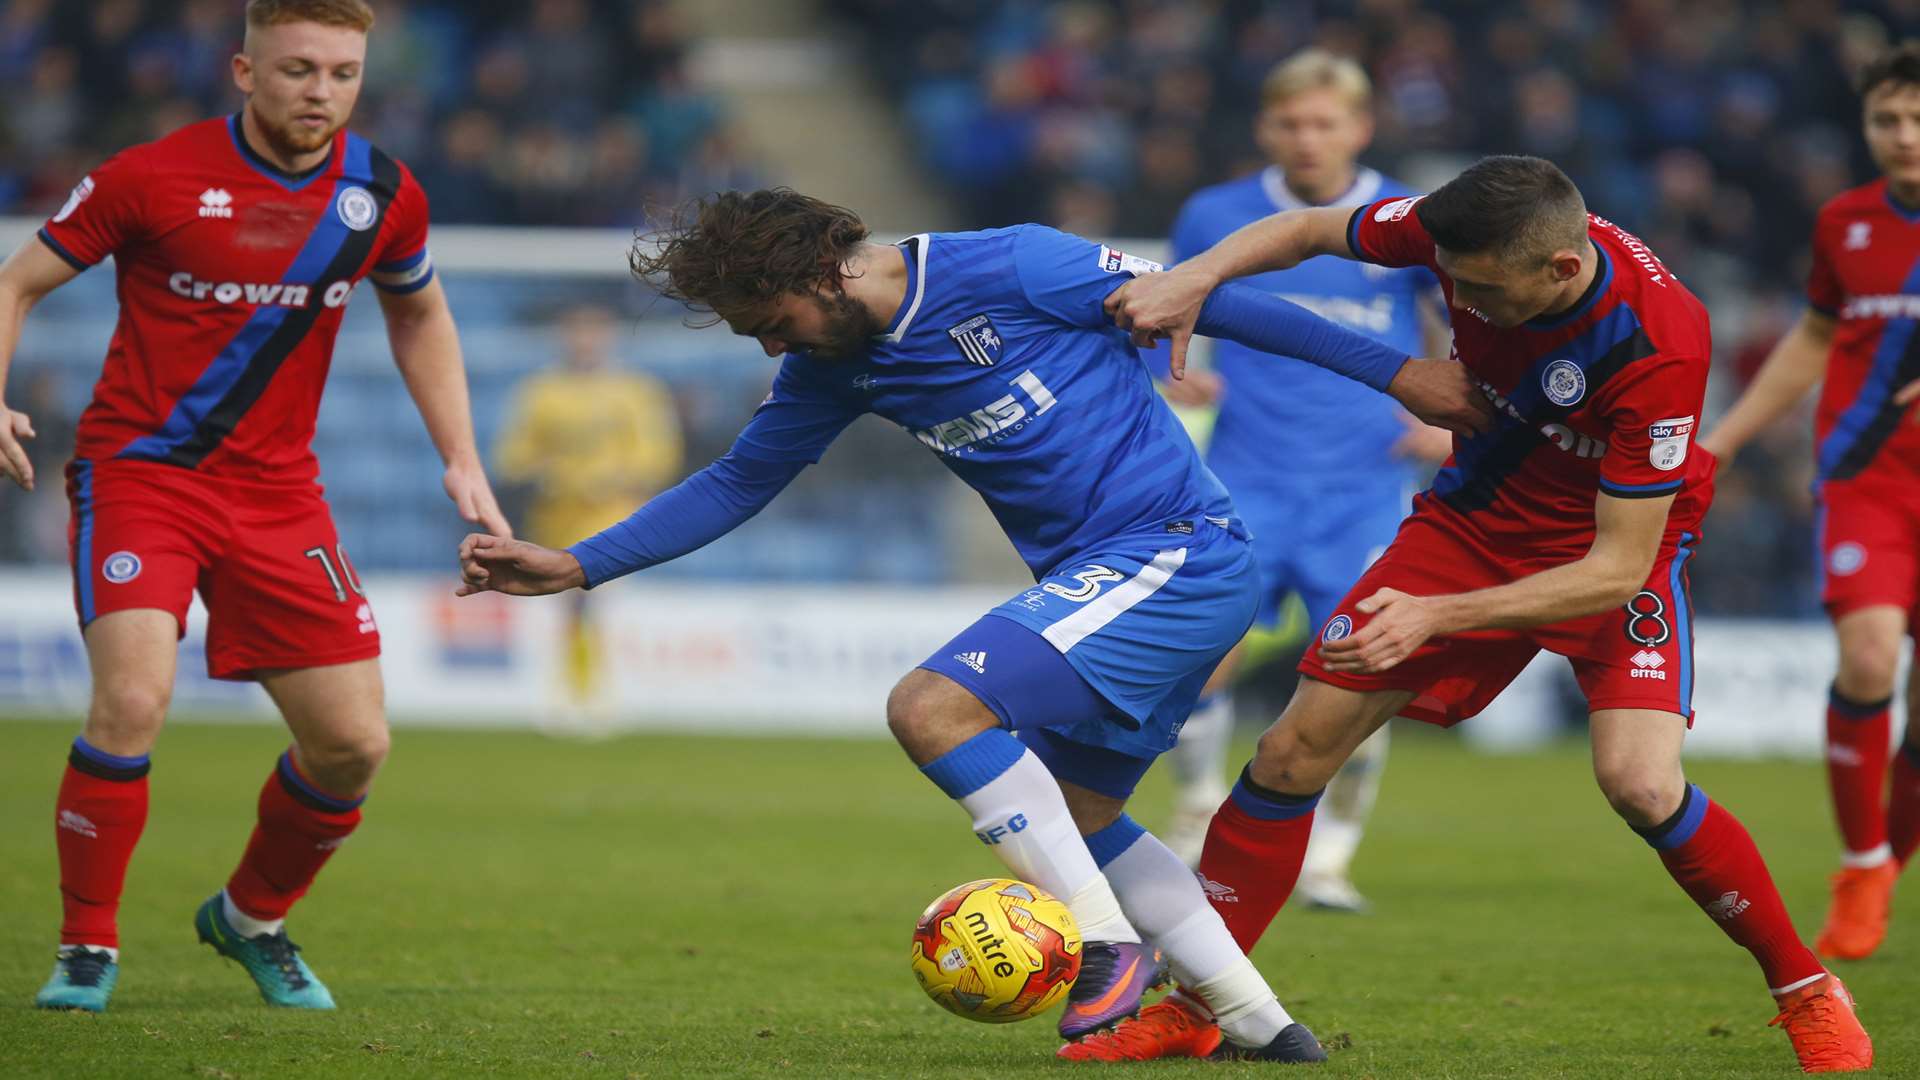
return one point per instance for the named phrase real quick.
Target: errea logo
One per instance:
(1647, 665)
(216, 203)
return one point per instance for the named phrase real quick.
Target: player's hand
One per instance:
(1401, 624)
(1200, 389)
(515, 567)
(1440, 393)
(1907, 394)
(14, 463)
(466, 484)
(1162, 306)
(1423, 442)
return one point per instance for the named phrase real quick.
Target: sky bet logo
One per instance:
(1015, 824)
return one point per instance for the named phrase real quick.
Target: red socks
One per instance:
(1711, 856)
(102, 808)
(1856, 772)
(1252, 858)
(1903, 805)
(299, 828)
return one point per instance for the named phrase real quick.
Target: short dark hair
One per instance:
(1519, 208)
(728, 253)
(1899, 65)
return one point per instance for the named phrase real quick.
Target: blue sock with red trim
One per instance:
(299, 829)
(1712, 857)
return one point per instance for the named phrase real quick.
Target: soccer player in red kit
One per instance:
(1858, 331)
(1567, 527)
(236, 243)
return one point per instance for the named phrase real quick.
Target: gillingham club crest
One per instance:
(979, 341)
(357, 209)
(1338, 627)
(1563, 382)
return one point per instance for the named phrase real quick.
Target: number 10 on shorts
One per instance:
(340, 575)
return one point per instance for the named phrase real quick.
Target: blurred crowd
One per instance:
(1713, 128)
(555, 112)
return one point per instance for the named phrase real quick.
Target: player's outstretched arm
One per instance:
(29, 273)
(1626, 540)
(426, 348)
(690, 515)
(1793, 367)
(1167, 305)
(1438, 392)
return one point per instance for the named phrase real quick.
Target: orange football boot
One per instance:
(1826, 1035)
(1858, 919)
(1167, 1029)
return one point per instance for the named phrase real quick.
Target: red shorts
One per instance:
(1870, 547)
(275, 579)
(1636, 657)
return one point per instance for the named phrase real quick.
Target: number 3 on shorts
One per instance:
(342, 578)
(1089, 580)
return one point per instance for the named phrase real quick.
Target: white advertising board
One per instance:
(801, 659)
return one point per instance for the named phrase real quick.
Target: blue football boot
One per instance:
(82, 979)
(274, 961)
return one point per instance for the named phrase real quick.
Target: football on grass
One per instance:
(996, 950)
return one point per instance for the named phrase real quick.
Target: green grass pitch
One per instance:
(701, 907)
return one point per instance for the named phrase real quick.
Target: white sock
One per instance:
(248, 926)
(1167, 905)
(1021, 815)
(1341, 819)
(1199, 759)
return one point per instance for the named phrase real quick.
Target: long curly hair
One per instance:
(730, 253)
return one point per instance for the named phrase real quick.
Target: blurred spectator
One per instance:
(589, 442)
(510, 111)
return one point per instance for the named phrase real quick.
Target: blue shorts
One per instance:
(1141, 622)
(1317, 542)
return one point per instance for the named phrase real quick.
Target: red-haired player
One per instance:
(1858, 331)
(236, 243)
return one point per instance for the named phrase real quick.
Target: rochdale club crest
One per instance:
(121, 567)
(979, 341)
(1563, 382)
(357, 209)
(1339, 627)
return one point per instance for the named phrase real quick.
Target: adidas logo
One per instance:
(1728, 906)
(1647, 665)
(75, 823)
(975, 660)
(216, 203)
(1841, 754)
(1218, 893)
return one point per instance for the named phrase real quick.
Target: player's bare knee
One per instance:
(125, 714)
(927, 717)
(1869, 665)
(345, 763)
(1643, 797)
(1284, 759)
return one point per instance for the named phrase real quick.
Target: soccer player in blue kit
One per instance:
(992, 349)
(1350, 455)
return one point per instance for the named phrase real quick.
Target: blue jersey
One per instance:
(1002, 362)
(1285, 420)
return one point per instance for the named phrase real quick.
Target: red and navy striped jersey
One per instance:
(233, 277)
(1866, 274)
(1601, 398)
